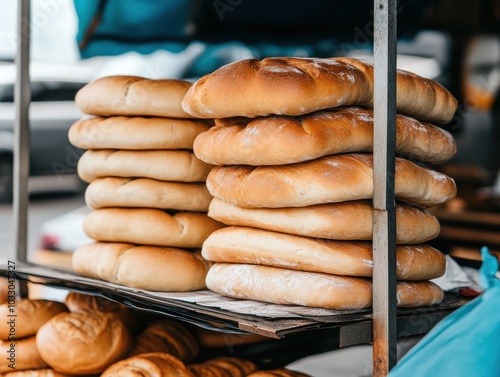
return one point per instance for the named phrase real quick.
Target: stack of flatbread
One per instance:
(146, 187)
(293, 141)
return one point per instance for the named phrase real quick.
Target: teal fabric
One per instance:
(467, 342)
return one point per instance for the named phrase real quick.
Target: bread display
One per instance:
(83, 342)
(25, 355)
(147, 193)
(155, 364)
(133, 96)
(329, 179)
(135, 133)
(261, 247)
(30, 316)
(337, 221)
(244, 141)
(296, 86)
(162, 268)
(289, 287)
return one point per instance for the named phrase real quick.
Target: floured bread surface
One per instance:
(351, 220)
(133, 96)
(279, 140)
(120, 132)
(143, 267)
(148, 226)
(295, 86)
(326, 180)
(283, 286)
(163, 165)
(147, 193)
(256, 246)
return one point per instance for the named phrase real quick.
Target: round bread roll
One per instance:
(279, 140)
(143, 267)
(337, 221)
(154, 364)
(223, 367)
(83, 342)
(139, 133)
(20, 354)
(37, 373)
(149, 226)
(80, 302)
(163, 165)
(30, 316)
(147, 193)
(262, 247)
(279, 372)
(283, 286)
(329, 179)
(133, 96)
(295, 86)
(167, 337)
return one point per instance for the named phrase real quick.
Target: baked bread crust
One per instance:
(26, 355)
(133, 96)
(351, 220)
(163, 165)
(162, 269)
(295, 86)
(261, 247)
(279, 140)
(155, 364)
(279, 372)
(289, 287)
(328, 179)
(137, 133)
(149, 226)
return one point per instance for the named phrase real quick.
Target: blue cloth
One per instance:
(467, 342)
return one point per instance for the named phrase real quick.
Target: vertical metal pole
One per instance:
(384, 219)
(22, 97)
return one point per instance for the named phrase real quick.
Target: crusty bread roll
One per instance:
(279, 140)
(147, 193)
(295, 86)
(20, 354)
(223, 367)
(279, 372)
(256, 246)
(283, 286)
(80, 302)
(37, 373)
(337, 221)
(164, 165)
(30, 315)
(167, 336)
(133, 96)
(140, 133)
(149, 226)
(326, 180)
(161, 268)
(83, 342)
(154, 364)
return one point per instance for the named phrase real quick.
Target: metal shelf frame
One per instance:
(384, 243)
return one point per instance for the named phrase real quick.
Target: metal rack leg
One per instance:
(384, 222)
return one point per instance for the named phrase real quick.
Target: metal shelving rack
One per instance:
(379, 327)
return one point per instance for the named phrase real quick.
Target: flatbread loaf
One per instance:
(329, 179)
(351, 220)
(149, 226)
(256, 246)
(295, 86)
(140, 133)
(133, 96)
(147, 193)
(163, 165)
(279, 140)
(144, 267)
(283, 286)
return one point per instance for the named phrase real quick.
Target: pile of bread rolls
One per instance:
(146, 187)
(293, 141)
